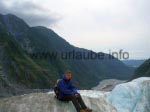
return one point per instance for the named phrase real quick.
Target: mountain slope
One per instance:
(143, 70)
(133, 63)
(17, 70)
(42, 72)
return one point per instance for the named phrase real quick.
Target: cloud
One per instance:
(112, 24)
(32, 13)
(98, 25)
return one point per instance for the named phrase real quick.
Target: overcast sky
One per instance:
(99, 25)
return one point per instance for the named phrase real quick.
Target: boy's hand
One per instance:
(76, 95)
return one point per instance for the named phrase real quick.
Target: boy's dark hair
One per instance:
(67, 71)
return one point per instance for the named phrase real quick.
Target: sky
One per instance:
(99, 25)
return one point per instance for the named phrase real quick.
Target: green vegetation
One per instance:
(143, 70)
(22, 69)
(42, 73)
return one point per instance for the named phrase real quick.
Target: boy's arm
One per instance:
(62, 88)
(74, 89)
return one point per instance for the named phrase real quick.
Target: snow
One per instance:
(90, 93)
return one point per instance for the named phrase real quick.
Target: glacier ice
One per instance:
(43, 102)
(132, 96)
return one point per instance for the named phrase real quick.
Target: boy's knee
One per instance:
(79, 95)
(72, 96)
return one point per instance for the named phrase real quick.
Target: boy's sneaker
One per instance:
(83, 111)
(88, 110)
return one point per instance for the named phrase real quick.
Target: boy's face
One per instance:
(68, 76)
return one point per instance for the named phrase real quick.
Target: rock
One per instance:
(108, 84)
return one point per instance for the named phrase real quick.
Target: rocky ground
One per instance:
(108, 84)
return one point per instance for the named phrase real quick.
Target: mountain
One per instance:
(133, 96)
(143, 70)
(133, 63)
(17, 70)
(26, 61)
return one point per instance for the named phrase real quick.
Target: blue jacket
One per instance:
(65, 87)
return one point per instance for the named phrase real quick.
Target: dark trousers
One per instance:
(77, 101)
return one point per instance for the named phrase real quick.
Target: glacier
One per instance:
(108, 84)
(133, 96)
